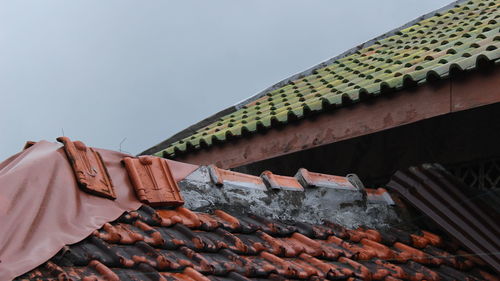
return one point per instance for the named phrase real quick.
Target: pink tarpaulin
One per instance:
(42, 209)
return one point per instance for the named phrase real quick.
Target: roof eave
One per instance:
(207, 121)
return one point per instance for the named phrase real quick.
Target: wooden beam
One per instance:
(381, 113)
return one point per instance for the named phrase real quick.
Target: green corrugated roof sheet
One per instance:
(457, 38)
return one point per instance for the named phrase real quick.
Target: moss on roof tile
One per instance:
(455, 39)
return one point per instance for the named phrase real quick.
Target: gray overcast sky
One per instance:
(144, 70)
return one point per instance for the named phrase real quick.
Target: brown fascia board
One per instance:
(207, 121)
(473, 89)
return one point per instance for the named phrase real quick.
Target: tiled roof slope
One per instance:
(178, 244)
(460, 38)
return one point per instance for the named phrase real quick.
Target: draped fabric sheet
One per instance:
(42, 208)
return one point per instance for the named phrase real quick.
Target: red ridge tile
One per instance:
(410, 253)
(181, 215)
(432, 238)
(221, 176)
(358, 234)
(237, 245)
(110, 235)
(256, 265)
(373, 235)
(419, 241)
(107, 273)
(360, 270)
(379, 195)
(119, 233)
(316, 179)
(203, 265)
(357, 252)
(331, 270)
(281, 182)
(154, 237)
(305, 269)
(153, 181)
(304, 244)
(207, 221)
(333, 253)
(279, 247)
(90, 171)
(396, 271)
(195, 275)
(253, 243)
(381, 251)
(229, 220)
(288, 268)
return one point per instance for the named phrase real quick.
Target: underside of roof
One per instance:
(444, 199)
(459, 38)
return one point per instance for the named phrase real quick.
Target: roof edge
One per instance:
(211, 119)
(188, 131)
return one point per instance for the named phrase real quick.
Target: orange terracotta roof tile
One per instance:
(175, 243)
(281, 182)
(181, 215)
(316, 179)
(445, 201)
(90, 171)
(138, 247)
(153, 181)
(432, 238)
(221, 176)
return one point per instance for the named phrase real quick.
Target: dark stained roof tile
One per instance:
(444, 199)
(314, 231)
(127, 251)
(181, 215)
(167, 243)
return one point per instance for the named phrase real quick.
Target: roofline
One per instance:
(211, 119)
(449, 95)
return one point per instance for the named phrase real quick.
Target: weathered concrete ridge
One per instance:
(348, 207)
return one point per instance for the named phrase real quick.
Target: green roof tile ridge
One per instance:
(430, 47)
(345, 54)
